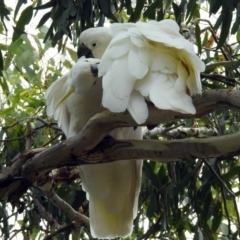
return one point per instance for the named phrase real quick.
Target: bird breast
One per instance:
(85, 105)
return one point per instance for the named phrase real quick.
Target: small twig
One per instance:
(30, 133)
(68, 210)
(226, 210)
(18, 69)
(18, 138)
(211, 29)
(29, 139)
(218, 64)
(220, 78)
(223, 185)
(6, 218)
(52, 139)
(235, 204)
(70, 227)
(218, 178)
(150, 230)
(47, 185)
(176, 131)
(52, 125)
(46, 215)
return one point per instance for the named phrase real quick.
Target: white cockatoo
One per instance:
(112, 188)
(67, 108)
(139, 61)
(147, 60)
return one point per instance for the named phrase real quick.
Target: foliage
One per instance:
(197, 197)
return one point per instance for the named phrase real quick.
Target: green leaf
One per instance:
(4, 85)
(151, 10)
(19, 4)
(138, 10)
(1, 62)
(73, 54)
(191, 7)
(14, 46)
(129, 6)
(177, 12)
(150, 174)
(206, 212)
(105, 6)
(234, 171)
(4, 12)
(43, 20)
(198, 234)
(218, 22)
(227, 16)
(214, 6)
(236, 24)
(198, 38)
(46, 5)
(153, 204)
(217, 216)
(230, 4)
(238, 35)
(24, 19)
(205, 39)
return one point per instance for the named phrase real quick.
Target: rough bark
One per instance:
(91, 146)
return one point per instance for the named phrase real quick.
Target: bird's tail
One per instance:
(113, 197)
(112, 190)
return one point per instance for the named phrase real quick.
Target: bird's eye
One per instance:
(94, 44)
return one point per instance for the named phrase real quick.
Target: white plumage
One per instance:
(149, 60)
(76, 109)
(112, 188)
(142, 61)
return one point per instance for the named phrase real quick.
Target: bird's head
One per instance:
(93, 42)
(81, 77)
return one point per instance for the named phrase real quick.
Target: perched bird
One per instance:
(147, 60)
(112, 188)
(68, 99)
(138, 62)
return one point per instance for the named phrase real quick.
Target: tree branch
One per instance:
(86, 147)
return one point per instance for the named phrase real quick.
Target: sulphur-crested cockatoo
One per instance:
(112, 188)
(147, 60)
(66, 112)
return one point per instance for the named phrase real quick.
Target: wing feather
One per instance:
(161, 66)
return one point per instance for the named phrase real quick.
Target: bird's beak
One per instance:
(84, 51)
(94, 69)
(68, 93)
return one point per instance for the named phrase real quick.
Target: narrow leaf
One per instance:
(198, 38)
(227, 16)
(24, 19)
(45, 17)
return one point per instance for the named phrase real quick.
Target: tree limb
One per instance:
(86, 147)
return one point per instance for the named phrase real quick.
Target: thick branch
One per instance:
(85, 147)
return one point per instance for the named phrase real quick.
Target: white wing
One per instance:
(53, 95)
(153, 59)
(112, 188)
(69, 114)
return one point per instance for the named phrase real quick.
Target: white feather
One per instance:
(112, 188)
(163, 64)
(137, 107)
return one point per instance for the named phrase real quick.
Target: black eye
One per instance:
(94, 44)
